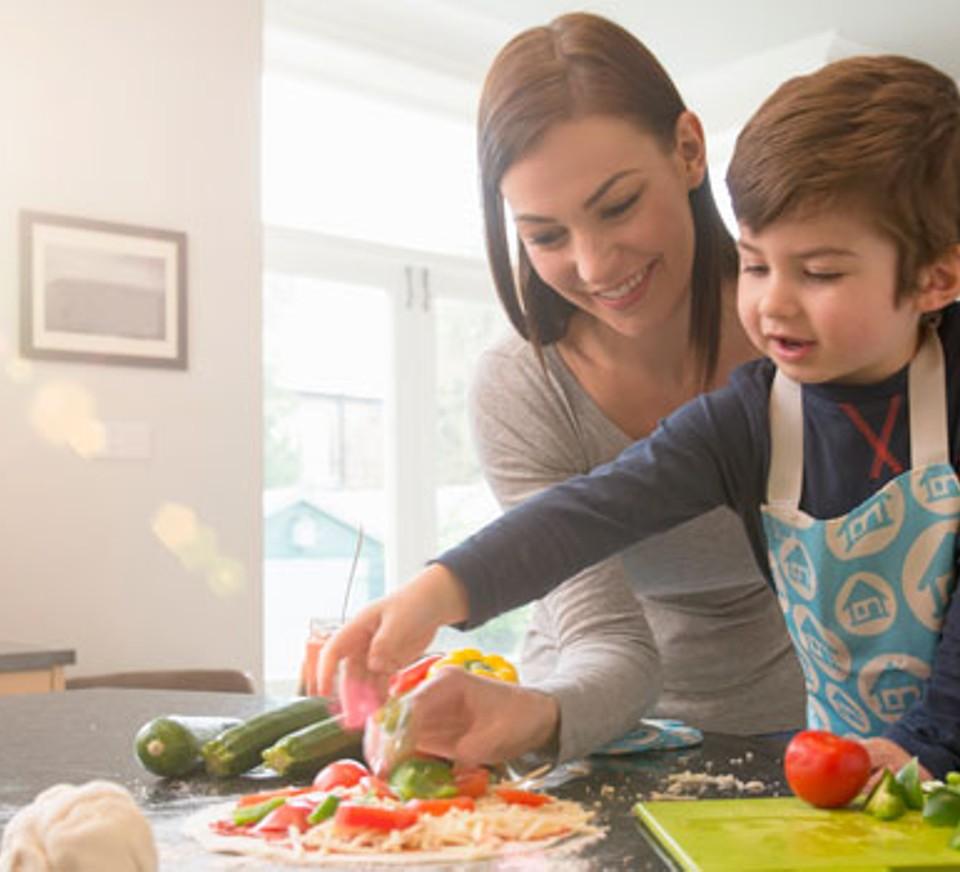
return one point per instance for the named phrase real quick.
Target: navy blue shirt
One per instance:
(714, 451)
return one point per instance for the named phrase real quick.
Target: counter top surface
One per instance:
(80, 735)
(18, 657)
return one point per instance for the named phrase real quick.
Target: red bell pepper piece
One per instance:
(353, 815)
(521, 797)
(407, 679)
(439, 807)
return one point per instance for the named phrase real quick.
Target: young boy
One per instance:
(835, 449)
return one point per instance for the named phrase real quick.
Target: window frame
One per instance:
(412, 280)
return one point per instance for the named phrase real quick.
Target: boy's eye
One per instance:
(819, 276)
(617, 209)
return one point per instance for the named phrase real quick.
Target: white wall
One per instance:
(141, 112)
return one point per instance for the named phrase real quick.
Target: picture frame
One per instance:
(101, 292)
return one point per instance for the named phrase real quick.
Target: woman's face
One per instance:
(603, 213)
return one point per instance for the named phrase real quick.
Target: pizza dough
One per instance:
(96, 827)
(198, 826)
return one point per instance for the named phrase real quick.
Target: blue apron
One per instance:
(864, 594)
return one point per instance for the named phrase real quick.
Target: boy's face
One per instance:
(816, 295)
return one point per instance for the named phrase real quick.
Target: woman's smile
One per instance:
(627, 293)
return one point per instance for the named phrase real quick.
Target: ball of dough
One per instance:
(95, 827)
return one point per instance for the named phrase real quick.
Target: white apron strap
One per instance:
(785, 479)
(927, 389)
(927, 392)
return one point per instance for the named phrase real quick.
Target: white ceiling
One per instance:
(692, 37)
(460, 37)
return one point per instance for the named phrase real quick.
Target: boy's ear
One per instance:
(691, 149)
(938, 283)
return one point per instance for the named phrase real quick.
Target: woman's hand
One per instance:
(391, 632)
(472, 720)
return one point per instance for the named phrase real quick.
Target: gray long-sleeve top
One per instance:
(705, 642)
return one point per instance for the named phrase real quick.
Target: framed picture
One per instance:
(102, 293)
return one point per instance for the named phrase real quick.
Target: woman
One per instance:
(624, 306)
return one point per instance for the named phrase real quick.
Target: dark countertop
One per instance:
(16, 657)
(79, 735)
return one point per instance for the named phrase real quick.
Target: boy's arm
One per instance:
(702, 456)
(931, 729)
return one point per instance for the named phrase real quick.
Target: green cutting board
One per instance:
(740, 835)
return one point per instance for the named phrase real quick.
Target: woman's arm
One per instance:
(589, 644)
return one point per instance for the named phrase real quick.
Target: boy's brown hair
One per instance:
(879, 134)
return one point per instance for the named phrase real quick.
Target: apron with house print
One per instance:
(864, 594)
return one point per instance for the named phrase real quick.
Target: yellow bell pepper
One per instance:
(488, 665)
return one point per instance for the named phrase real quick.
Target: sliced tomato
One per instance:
(407, 679)
(472, 782)
(438, 807)
(521, 797)
(354, 815)
(290, 814)
(342, 773)
(257, 798)
(377, 786)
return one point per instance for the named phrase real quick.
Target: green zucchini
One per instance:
(238, 749)
(170, 746)
(305, 751)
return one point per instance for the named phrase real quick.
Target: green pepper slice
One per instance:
(941, 808)
(422, 778)
(909, 780)
(886, 801)
(252, 814)
(324, 810)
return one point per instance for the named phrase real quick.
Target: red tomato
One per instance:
(472, 782)
(439, 807)
(409, 678)
(377, 786)
(342, 773)
(354, 815)
(292, 814)
(825, 770)
(521, 797)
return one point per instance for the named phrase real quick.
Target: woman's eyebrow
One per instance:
(590, 201)
(609, 183)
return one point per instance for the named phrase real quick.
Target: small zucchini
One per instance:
(306, 751)
(238, 749)
(170, 746)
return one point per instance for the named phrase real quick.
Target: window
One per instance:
(377, 305)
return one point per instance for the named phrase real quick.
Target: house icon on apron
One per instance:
(868, 518)
(865, 604)
(939, 484)
(895, 691)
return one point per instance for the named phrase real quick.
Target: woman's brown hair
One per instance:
(578, 65)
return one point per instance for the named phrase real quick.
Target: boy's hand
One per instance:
(885, 754)
(391, 632)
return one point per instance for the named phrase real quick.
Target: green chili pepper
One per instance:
(421, 778)
(909, 780)
(253, 814)
(886, 801)
(324, 810)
